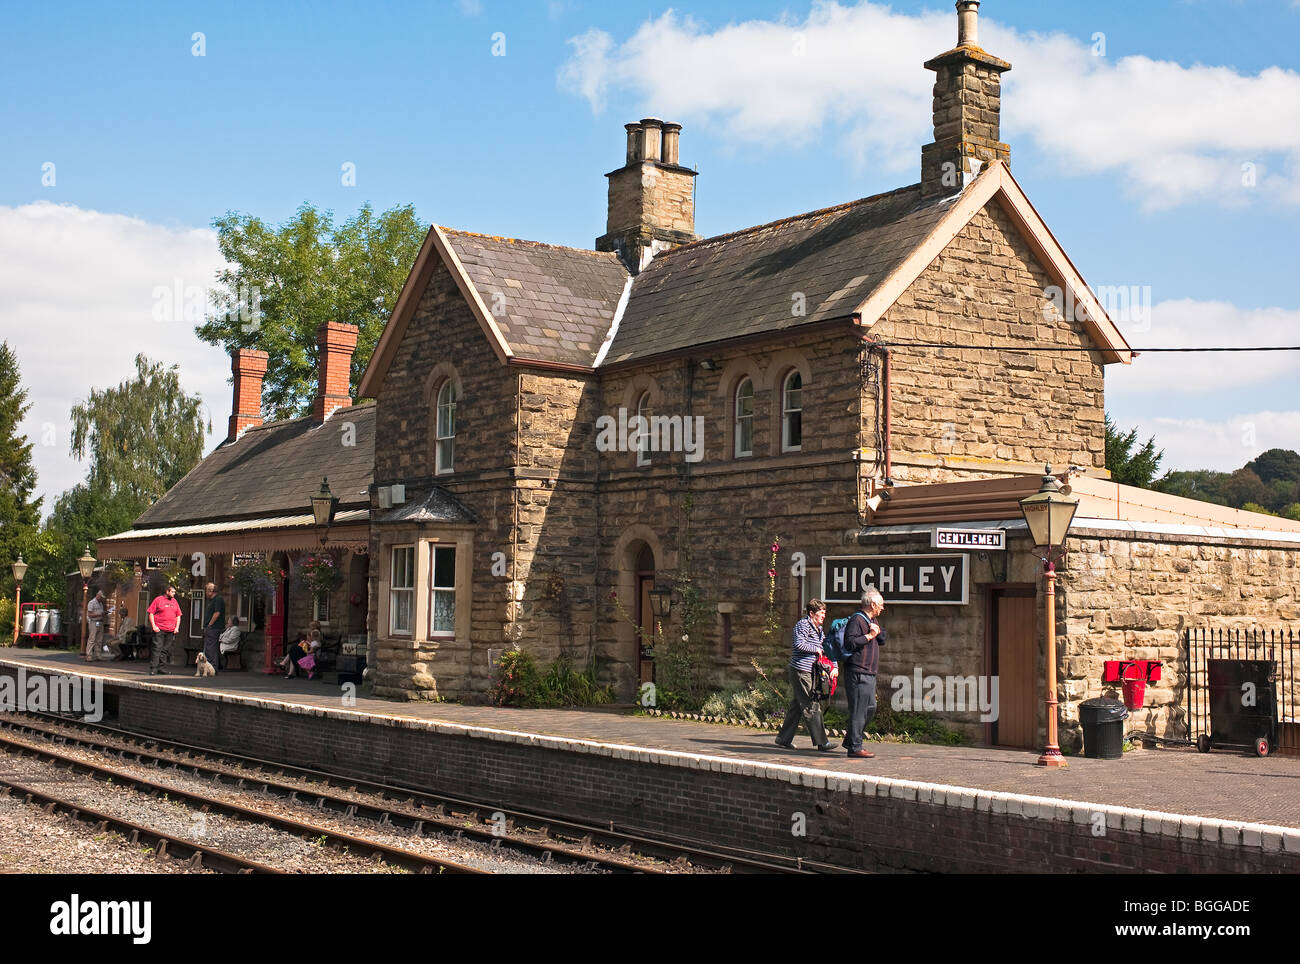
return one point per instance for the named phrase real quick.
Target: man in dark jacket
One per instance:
(863, 638)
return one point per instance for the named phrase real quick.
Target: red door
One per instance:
(275, 627)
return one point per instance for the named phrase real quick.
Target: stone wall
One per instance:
(445, 340)
(739, 505)
(963, 413)
(1131, 595)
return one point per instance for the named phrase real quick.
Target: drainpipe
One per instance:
(889, 455)
(888, 413)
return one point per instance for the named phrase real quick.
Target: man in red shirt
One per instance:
(164, 619)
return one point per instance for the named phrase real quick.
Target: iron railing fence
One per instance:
(1280, 646)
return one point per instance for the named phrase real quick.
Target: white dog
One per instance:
(203, 668)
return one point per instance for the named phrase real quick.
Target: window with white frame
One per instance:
(320, 608)
(446, 428)
(442, 590)
(792, 413)
(745, 419)
(646, 412)
(401, 592)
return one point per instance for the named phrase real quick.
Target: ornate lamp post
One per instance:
(86, 565)
(1048, 513)
(323, 506)
(20, 570)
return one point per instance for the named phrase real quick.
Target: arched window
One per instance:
(745, 419)
(792, 413)
(644, 410)
(446, 428)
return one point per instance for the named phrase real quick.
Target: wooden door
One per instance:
(1014, 660)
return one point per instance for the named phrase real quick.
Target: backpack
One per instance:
(825, 676)
(833, 644)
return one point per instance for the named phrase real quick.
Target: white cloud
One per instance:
(470, 8)
(1173, 133)
(77, 303)
(1185, 323)
(1223, 445)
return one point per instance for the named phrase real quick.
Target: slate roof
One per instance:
(745, 282)
(273, 469)
(438, 506)
(557, 302)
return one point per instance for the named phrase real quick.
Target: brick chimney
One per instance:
(248, 366)
(967, 98)
(335, 342)
(651, 198)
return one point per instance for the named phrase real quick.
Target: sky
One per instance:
(1159, 140)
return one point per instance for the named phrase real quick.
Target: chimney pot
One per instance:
(672, 142)
(653, 138)
(635, 139)
(968, 12)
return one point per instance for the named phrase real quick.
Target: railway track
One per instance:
(412, 811)
(203, 803)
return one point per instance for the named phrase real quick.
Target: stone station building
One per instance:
(910, 341)
(840, 382)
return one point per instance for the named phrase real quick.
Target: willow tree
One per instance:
(142, 436)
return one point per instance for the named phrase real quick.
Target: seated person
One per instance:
(230, 639)
(304, 645)
(129, 639)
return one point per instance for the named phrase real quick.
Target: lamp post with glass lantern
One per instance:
(86, 565)
(323, 507)
(20, 570)
(1048, 513)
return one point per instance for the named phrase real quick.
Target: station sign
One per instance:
(243, 558)
(158, 562)
(943, 538)
(906, 580)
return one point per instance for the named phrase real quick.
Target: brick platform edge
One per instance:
(855, 821)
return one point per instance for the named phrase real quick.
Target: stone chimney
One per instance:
(651, 198)
(967, 98)
(248, 366)
(335, 342)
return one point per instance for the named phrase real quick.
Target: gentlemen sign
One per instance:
(939, 580)
(969, 538)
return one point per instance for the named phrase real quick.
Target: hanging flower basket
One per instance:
(318, 574)
(173, 574)
(116, 573)
(256, 578)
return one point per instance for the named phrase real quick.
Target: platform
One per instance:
(944, 807)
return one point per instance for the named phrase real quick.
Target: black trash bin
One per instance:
(1103, 728)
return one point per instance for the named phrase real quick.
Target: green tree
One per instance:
(1126, 466)
(1256, 507)
(1204, 484)
(1276, 465)
(20, 514)
(287, 281)
(142, 436)
(1244, 486)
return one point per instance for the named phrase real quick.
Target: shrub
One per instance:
(520, 683)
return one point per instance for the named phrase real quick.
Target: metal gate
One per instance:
(1281, 646)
